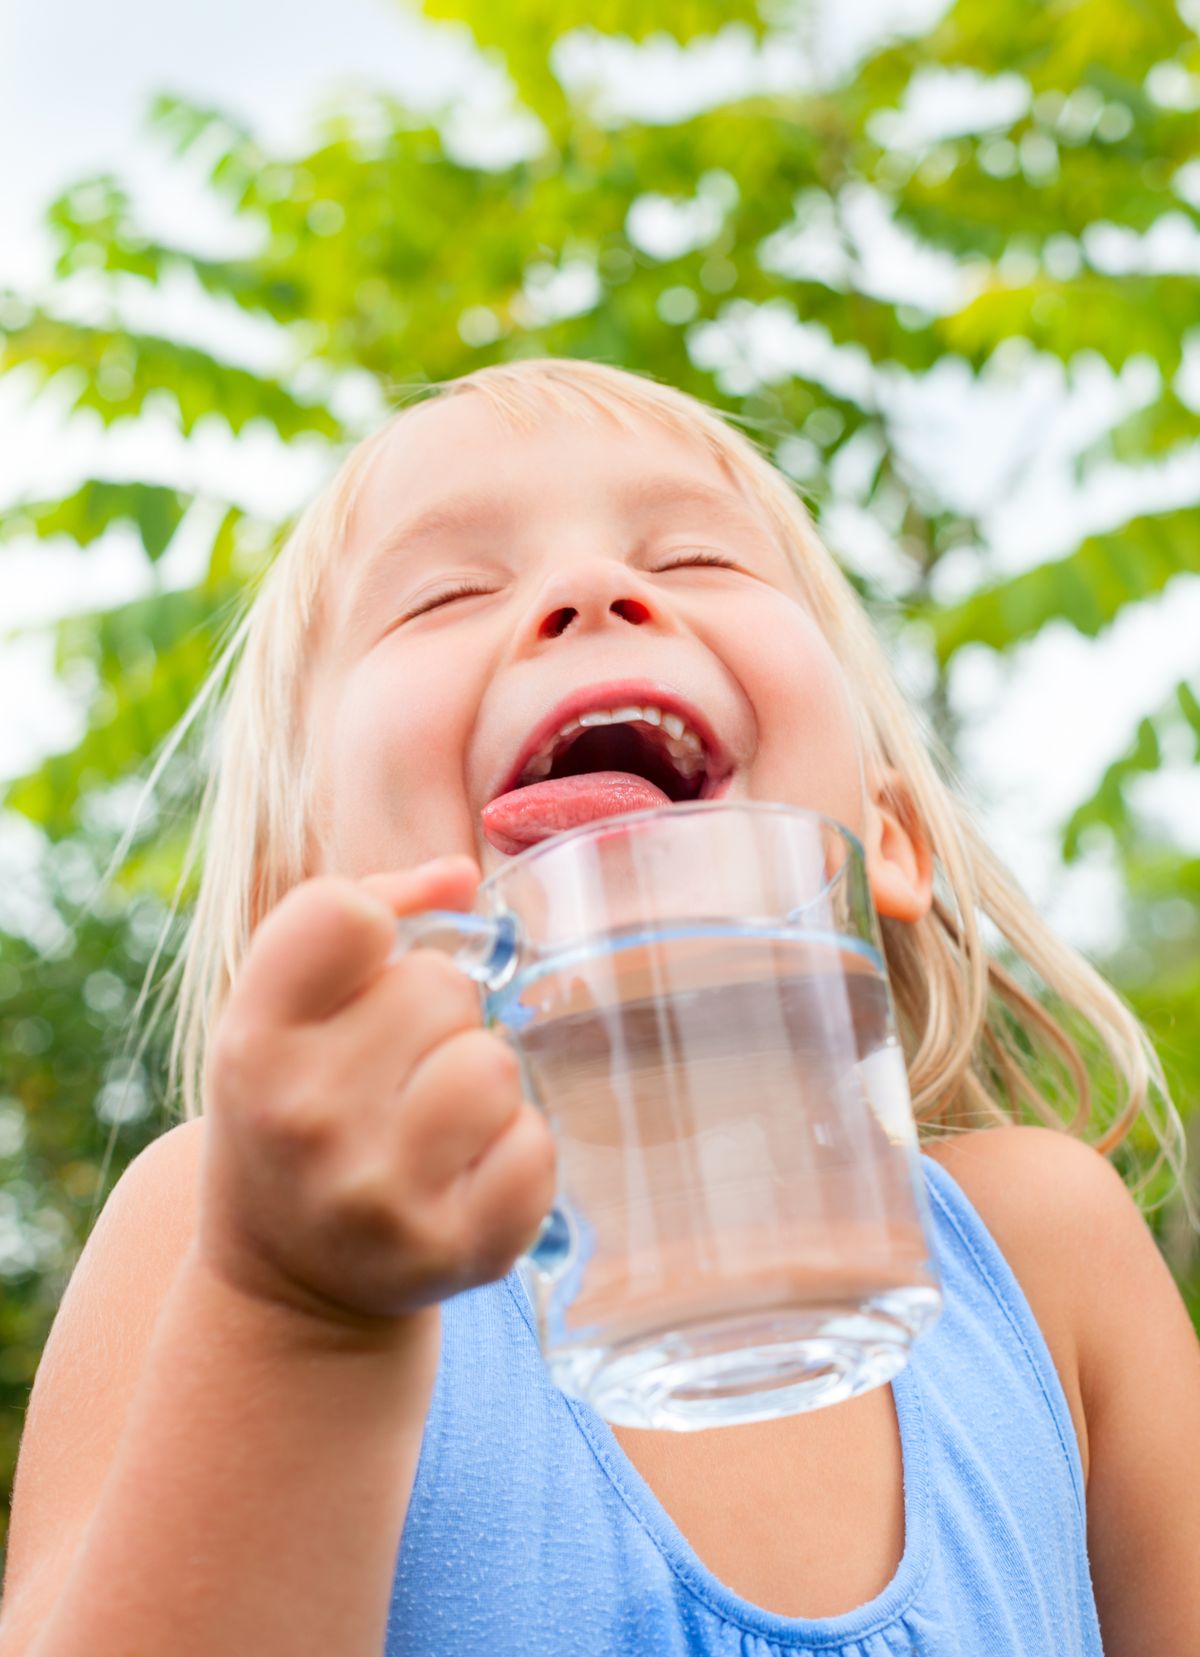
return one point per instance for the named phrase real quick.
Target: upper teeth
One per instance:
(681, 742)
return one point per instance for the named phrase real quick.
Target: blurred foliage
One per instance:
(387, 254)
(1088, 588)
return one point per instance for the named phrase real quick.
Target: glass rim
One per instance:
(781, 808)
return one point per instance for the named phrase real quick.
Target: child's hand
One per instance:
(369, 1151)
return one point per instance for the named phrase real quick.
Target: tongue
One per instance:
(525, 816)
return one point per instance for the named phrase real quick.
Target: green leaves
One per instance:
(95, 229)
(1108, 807)
(117, 372)
(541, 22)
(1087, 589)
(235, 160)
(523, 33)
(1118, 317)
(154, 511)
(1063, 46)
(147, 660)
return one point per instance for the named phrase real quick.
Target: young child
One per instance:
(293, 1402)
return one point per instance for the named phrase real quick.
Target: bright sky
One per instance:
(71, 99)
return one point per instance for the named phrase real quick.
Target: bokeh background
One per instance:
(941, 261)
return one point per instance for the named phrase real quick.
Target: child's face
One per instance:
(419, 722)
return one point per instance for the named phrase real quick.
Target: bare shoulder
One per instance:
(1044, 1196)
(95, 1351)
(139, 1240)
(1053, 1205)
(1027, 1178)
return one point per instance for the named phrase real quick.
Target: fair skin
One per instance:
(253, 1330)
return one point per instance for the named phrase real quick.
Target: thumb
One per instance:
(443, 883)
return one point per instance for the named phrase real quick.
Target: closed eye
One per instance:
(713, 558)
(464, 589)
(461, 589)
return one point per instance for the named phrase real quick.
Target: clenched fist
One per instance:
(368, 1150)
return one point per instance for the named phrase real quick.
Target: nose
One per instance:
(586, 597)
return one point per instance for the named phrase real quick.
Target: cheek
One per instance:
(388, 771)
(808, 740)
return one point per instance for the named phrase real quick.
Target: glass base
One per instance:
(747, 1368)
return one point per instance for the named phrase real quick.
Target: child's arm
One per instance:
(226, 1424)
(232, 1480)
(1091, 1269)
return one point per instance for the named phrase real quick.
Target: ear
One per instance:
(899, 858)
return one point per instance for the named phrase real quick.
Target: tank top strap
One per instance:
(984, 1280)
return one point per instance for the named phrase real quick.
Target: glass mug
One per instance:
(698, 1001)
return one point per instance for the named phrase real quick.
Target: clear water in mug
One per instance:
(739, 1228)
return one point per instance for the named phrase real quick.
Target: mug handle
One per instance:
(485, 947)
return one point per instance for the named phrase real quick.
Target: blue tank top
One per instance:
(531, 1534)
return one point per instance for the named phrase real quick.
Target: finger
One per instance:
(329, 937)
(509, 1191)
(454, 878)
(458, 1101)
(416, 1003)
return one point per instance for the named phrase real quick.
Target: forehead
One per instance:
(460, 446)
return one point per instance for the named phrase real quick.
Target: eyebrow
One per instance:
(468, 513)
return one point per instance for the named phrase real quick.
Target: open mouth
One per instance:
(604, 764)
(636, 748)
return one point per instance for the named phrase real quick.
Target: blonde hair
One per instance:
(981, 1045)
